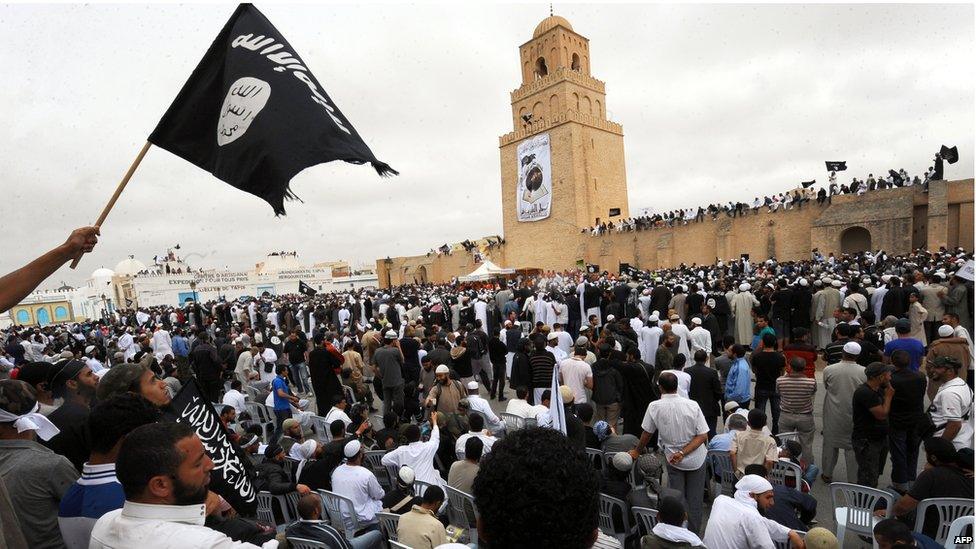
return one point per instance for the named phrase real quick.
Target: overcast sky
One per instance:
(718, 103)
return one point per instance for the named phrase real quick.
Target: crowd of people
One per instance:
(657, 372)
(787, 200)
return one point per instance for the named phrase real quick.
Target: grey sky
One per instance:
(718, 103)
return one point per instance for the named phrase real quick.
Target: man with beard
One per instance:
(73, 381)
(164, 472)
(324, 363)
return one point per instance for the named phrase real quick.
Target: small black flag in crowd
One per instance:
(949, 155)
(230, 477)
(896, 178)
(128, 302)
(626, 269)
(808, 184)
(836, 166)
(591, 268)
(306, 289)
(253, 115)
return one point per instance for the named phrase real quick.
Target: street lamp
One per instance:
(193, 287)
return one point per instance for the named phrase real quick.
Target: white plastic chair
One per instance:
(388, 524)
(646, 519)
(512, 421)
(419, 487)
(722, 461)
(782, 471)
(607, 526)
(596, 457)
(792, 435)
(854, 507)
(322, 432)
(461, 511)
(346, 521)
(302, 543)
(265, 512)
(373, 460)
(949, 510)
(959, 528)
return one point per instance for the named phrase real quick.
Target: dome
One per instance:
(103, 273)
(129, 267)
(550, 23)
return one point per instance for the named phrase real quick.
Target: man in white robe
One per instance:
(162, 343)
(650, 339)
(742, 304)
(735, 523)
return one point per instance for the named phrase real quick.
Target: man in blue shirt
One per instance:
(904, 342)
(738, 383)
(98, 491)
(283, 399)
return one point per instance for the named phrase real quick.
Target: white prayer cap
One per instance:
(654, 318)
(852, 348)
(753, 484)
(731, 406)
(307, 449)
(818, 282)
(582, 341)
(566, 392)
(406, 474)
(710, 303)
(442, 369)
(352, 448)
(885, 278)
(552, 336)
(508, 322)
(836, 283)
(744, 287)
(865, 280)
(658, 279)
(803, 282)
(946, 331)
(696, 321)
(622, 461)
(473, 385)
(89, 349)
(390, 334)
(611, 318)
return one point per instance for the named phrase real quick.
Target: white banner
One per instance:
(533, 192)
(966, 271)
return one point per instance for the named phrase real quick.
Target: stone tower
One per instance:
(563, 165)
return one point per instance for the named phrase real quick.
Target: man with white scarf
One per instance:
(735, 523)
(35, 477)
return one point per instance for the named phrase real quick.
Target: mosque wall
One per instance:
(889, 216)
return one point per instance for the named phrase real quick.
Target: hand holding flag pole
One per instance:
(115, 196)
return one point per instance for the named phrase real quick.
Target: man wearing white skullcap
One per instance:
(735, 522)
(359, 484)
(742, 304)
(840, 381)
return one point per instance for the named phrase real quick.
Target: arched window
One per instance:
(60, 312)
(554, 104)
(576, 100)
(576, 62)
(538, 111)
(540, 67)
(599, 108)
(587, 105)
(23, 317)
(854, 240)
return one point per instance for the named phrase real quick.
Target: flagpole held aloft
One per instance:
(118, 192)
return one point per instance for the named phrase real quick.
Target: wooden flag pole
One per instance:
(118, 192)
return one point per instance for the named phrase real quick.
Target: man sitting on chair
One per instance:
(312, 527)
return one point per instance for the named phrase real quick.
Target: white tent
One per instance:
(486, 271)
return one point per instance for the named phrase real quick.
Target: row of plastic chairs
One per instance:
(645, 518)
(719, 462)
(855, 506)
(514, 422)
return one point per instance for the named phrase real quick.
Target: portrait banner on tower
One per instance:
(533, 190)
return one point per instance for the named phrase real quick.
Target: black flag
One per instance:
(949, 155)
(836, 166)
(230, 477)
(306, 289)
(592, 268)
(808, 184)
(253, 115)
(627, 269)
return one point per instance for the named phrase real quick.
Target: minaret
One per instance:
(551, 192)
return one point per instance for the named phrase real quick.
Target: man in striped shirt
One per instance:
(796, 392)
(98, 491)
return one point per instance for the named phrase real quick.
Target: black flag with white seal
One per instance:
(231, 475)
(253, 115)
(306, 289)
(833, 166)
(808, 184)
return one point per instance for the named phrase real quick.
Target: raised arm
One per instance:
(16, 285)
